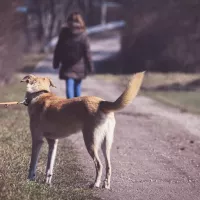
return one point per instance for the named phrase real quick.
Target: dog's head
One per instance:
(36, 84)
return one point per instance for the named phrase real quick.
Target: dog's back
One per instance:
(63, 117)
(59, 117)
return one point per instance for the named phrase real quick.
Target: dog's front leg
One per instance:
(51, 159)
(36, 146)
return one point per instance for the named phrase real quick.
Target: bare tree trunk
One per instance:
(11, 40)
(52, 19)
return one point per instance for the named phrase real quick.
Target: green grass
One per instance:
(30, 61)
(187, 101)
(184, 100)
(153, 80)
(15, 149)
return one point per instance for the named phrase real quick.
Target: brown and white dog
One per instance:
(53, 117)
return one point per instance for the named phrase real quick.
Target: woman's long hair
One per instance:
(75, 21)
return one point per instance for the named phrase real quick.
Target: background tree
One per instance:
(45, 17)
(11, 39)
(163, 35)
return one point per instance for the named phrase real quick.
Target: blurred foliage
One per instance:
(161, 35)
(31, 30)
(11, 39)
(45, 18)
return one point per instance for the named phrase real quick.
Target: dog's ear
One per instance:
(28, 79)
(51, 83)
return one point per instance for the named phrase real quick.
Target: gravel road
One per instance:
(156, 150)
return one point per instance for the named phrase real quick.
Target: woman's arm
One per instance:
(57, 52)
(87, 56)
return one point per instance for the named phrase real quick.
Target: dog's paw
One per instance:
(48, 180)
(106, 185)
(31, 178)
(94, 185)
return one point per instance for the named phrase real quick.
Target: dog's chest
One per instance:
(60, 130)
(56, 132)
(56, 124)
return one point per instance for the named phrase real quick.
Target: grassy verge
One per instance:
(187, 101)
(153, 80)
(30, 61)
(15, 149)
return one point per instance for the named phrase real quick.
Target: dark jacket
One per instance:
(73, 53)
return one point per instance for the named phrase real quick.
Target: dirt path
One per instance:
(156, 150)
(156, 153)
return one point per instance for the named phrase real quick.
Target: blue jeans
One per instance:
(73, 88)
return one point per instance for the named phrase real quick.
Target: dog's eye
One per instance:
(33, 82)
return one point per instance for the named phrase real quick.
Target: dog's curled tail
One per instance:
(126, 97)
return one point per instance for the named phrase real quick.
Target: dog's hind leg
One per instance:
(51, 159)
(92, 146)
(36, 146)
(106, 148)
(94, 154)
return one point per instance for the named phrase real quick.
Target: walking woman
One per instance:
(73, 53)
